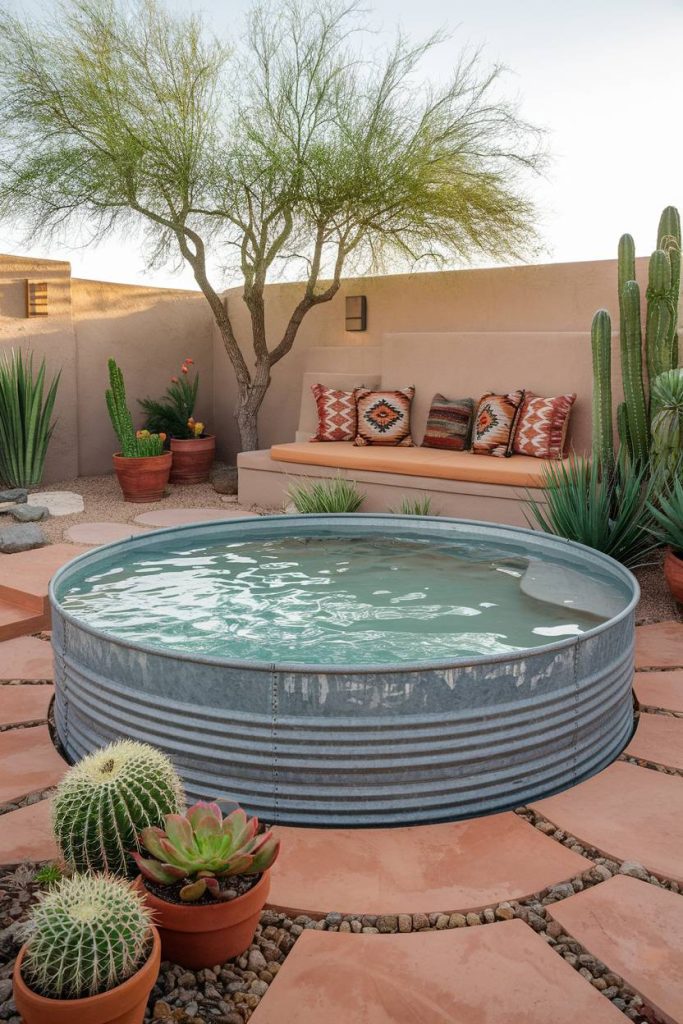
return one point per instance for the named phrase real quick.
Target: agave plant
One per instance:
(667, 513)
(26, 423)
(202, 847)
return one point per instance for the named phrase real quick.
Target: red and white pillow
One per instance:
(542, 426)
(337, 414)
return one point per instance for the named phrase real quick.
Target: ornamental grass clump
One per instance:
(26, 423)
(107, 799)
(202, 848)
(89, 934)
(421, 506)
(326, 496)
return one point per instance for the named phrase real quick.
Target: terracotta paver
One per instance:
(496, 974)
(24, 577)
(28, 762)
(26, 834)
(659, 645)
(660, 689)
(181, 516)
(463, 865)
(636, 929)
(626, 812)
(658, 738)
(102, 533)
(26, 658)
(24, 703)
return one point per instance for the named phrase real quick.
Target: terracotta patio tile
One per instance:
(626, 812)
(496, 974)
(181, 516)
(659, 645)
(659, 739)
(660, 689)
(102, 533)
(24, 577)
(26, 834)
(26, 658)
(24, 703)
(463, 865)
(636, 929)
(28, 762)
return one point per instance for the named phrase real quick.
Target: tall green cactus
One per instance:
(667, 424)
(669, 240)
(119, 413)
(601, 343)
(632, 372)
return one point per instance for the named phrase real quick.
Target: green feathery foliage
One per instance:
(103, 803)
(173, 415)
(26, 423)
(667, 513)
(421, 506)
(320, 496)
(88, 934)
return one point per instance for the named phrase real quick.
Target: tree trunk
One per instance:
(248, 405)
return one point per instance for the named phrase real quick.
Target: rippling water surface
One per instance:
(325, 601)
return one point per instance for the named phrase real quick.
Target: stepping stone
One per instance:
(625, 812)
(636, 929)
(26, 658)
(20, 704)
(58, 503)
(463, 865)
(26, 834)
(658, 739)
(102, 533)
(24, 578)
(28, 763)
(659, 645)
(660, 690)
(181, 516)
(21, 537)
(497, 974)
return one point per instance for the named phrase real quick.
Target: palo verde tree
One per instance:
(292, 148)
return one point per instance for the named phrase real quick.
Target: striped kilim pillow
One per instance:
(449, 423)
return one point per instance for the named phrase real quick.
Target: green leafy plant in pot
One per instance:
(142, 466)
(206, 882)
(192, 448)
(667, 513)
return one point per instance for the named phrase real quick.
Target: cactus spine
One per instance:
(105, 801)
(601, 343)
(89, 933)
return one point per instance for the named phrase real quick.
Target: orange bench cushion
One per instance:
(517, 471)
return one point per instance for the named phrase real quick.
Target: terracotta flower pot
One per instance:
(143, 479)
(673, 573)
(192, 459)
(124, 1004)
(210, 933)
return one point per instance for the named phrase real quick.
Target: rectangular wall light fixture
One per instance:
(356, 313)
(36, 298)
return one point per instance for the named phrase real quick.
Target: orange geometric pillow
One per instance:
(384, 416)
(494, 424)
(336, 413)
(542, 426)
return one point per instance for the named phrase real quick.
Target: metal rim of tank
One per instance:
(252, 524)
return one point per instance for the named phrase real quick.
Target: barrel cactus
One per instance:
(105, 801)
(88, 934)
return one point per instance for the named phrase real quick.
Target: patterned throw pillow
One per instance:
(384, 416)
(449, 423)
(495, 422)
(336, 414)
(542, 426)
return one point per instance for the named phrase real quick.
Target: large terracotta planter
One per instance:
(673, 573)
(192, 459)
(207, 934)
(143, 479)
(122, 1005)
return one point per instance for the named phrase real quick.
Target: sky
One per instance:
(604, 77)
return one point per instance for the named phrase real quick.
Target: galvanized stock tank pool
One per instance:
(350, 669)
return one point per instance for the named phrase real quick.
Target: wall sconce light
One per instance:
(36, 298)
(356, 313)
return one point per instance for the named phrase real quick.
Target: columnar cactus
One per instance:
(669, 239)
(119, 413)
(601, 341)
(105, 801)
(632, 372)
(667, 425)
(88, 934)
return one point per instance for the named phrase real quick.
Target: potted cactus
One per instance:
(667, 513)
(206, 882)
(103, 803)
(142, 466)
(92, 956)
(192, 448)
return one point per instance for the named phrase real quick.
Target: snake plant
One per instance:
(26, 423)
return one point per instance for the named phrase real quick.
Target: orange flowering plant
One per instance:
(173, 414)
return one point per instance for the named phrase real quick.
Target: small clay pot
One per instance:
(206, 934)
(673, 573)
(192, 459)
(143, 479)
(124, 1004)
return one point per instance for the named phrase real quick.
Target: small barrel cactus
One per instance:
(107, 799)
(88, 934)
